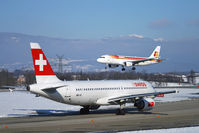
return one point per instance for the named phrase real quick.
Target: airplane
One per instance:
(90, 94)
(113, 61)
(13, 88)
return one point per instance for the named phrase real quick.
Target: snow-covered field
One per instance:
(17, 104)
(171, 130)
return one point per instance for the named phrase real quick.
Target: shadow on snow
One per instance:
(53, 112)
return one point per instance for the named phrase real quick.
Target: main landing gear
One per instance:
(121, 110)
(107, 66)
(84, 110)
(133, 68)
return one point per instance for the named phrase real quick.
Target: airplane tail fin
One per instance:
(155, 53)
(43, 70)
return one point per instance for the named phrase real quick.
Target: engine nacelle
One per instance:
(128, 64)
(144, 104)
(112, 66)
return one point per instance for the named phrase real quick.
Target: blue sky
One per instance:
(94, 19)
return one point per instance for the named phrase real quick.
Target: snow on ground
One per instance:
(170, 130)
(17, 104)
(14, 104)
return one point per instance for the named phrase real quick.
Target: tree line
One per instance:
(11, 78)
(116, 75)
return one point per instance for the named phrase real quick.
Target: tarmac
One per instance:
(164, 115)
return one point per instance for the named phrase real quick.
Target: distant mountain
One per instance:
(181, 55)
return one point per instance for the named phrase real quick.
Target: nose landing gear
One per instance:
(121, 110)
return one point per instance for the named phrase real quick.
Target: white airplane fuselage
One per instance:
(123, 60)
(113, 61)
(92, 92)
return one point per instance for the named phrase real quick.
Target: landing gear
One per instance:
(123, 69)
(121, 110)
(107, 66)
(133, 68)
(84, 110)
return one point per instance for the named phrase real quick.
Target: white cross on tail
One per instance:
(41, 62)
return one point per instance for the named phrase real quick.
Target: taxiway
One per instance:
(164, 115)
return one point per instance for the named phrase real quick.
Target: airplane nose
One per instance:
(98, 60)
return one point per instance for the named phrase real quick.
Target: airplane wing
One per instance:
(10, 87)
(138, 61)
(13, 87)
(127, 97)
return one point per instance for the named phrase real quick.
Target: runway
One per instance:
(164, 115)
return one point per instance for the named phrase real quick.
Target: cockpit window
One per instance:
(102, 57)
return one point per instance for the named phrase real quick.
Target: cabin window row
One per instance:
(90, 89)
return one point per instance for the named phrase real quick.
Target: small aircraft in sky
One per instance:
(90, 94)
(113, 61)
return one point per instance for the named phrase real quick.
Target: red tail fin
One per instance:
(43, 70)
(41, 64)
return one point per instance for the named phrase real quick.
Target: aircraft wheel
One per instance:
(133, 68)
(84, 111)
(123, 69)
(120, 112)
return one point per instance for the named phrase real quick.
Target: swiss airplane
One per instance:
(90, 94)
(113, 61)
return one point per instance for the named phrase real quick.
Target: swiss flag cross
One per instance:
(41, 64)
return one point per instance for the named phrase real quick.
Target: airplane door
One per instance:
(68, 94)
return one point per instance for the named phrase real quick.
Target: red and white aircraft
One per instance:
(90, 94)
(113, 61)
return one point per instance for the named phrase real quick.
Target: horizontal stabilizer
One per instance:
(54, 88)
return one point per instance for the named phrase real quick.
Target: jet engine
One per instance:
(112, 66)
(144, 104)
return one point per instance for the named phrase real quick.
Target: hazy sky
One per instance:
(91, 19)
